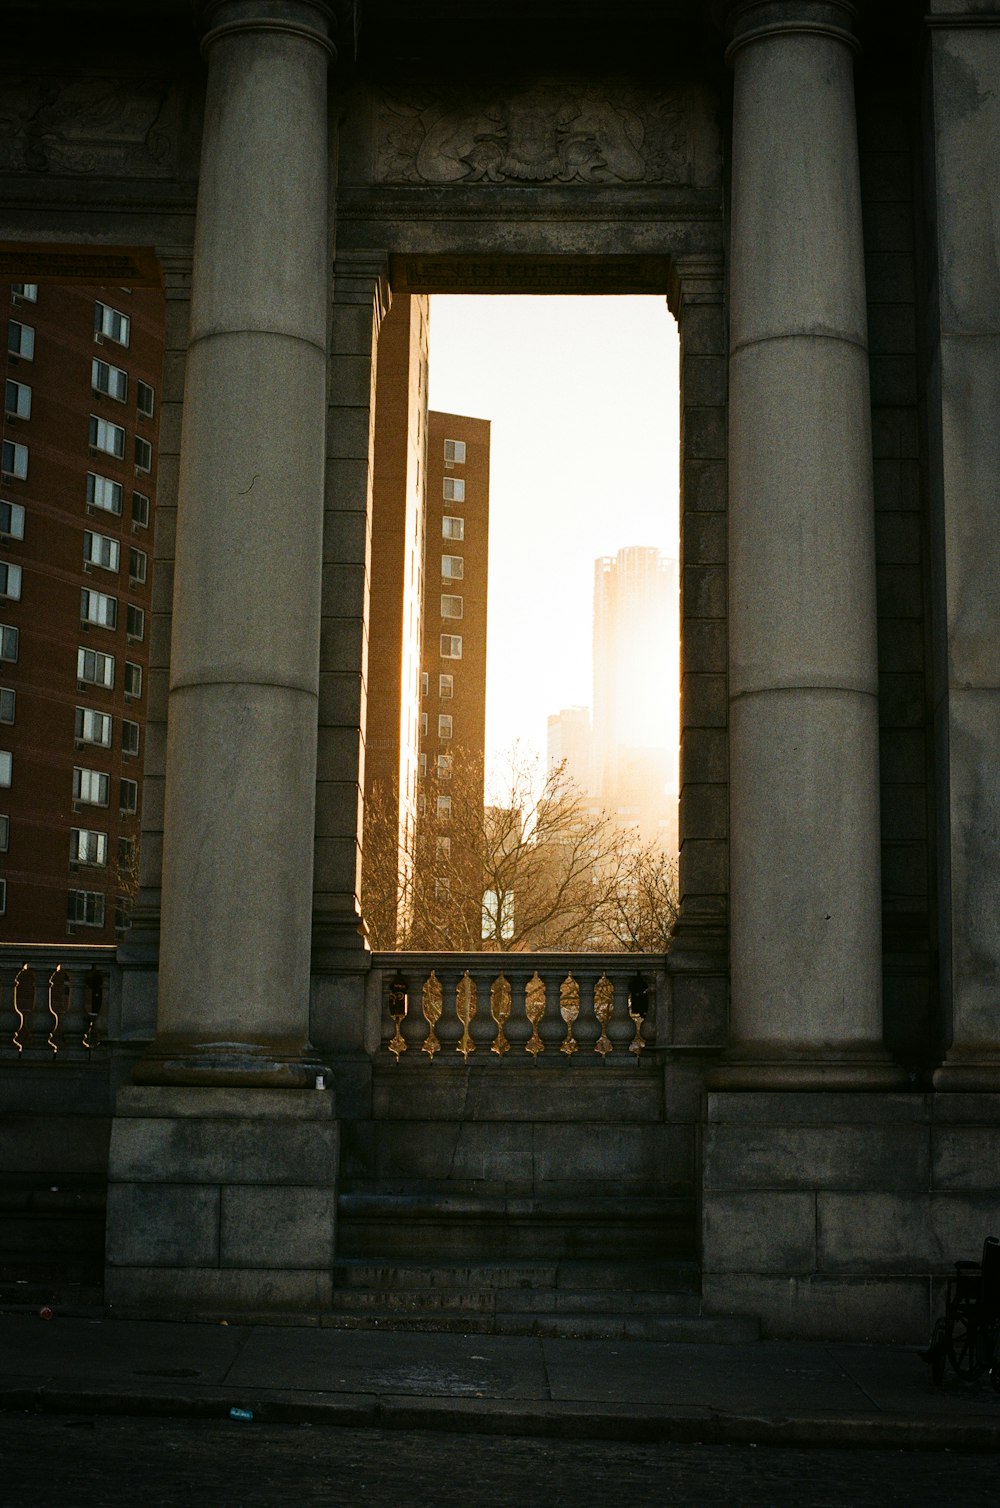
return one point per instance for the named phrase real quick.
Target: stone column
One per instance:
(805, 881)
(340, 955)
(244, 667)
(963, 409)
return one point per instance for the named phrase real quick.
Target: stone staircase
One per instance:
(568, 1299)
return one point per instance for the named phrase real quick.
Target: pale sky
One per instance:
(583, 398)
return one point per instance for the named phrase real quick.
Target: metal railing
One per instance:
(505, 1005)
(52, 997)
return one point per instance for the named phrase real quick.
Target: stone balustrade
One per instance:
(53, 1000)
(515, 1007)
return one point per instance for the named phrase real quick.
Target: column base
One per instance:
(221, 1201)
(969, 1071)
(763, 1066)
(181, 1061)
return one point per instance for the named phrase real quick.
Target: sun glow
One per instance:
(582, 394)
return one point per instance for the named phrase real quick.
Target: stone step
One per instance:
(674, 1277)
(509, 1300)
(418, 1226)
(623, 1300)
(690, 1329)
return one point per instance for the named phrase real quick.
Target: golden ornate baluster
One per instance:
(534, 1009)
(431, 1004)
(398, 1006)
(638, 1004)
(58, 990)
(465, 1005)
(569, 1010)
(500, 1006)
(604, 1008)
(23, 986)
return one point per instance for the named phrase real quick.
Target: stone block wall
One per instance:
(491, 1159)
(55, 1124)
(839, 1216)
(221, 1200)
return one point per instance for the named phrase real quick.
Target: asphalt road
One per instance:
(63, 1461)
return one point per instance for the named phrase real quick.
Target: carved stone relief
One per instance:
(105, 127)
(546, 132)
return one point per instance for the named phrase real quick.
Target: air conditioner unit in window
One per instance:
(70, 930)
(98, 337)
(73, 866)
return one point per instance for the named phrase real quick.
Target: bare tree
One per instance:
(535, 866)
(643, 904)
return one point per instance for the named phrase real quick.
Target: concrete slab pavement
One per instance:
(768, 1392)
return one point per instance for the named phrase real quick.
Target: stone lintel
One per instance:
(87, 266)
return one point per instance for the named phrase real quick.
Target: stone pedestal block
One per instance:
(837, 1216)
(221, 1200)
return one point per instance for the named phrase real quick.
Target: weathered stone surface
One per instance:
(759, 1232)
(874, 1232)
(493, 1092)
(207, 1151)
(885, 1157)
(817, 1108)
(223, 1104)
(277, 1227)
(162, 1225)
(966, 1157)
(880, 1310)
(161, 1291)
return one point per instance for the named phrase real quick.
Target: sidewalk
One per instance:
(769, 1392)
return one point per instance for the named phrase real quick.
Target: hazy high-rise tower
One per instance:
(569, 744)
(635, 715)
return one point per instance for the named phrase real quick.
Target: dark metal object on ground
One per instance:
(968, 1333)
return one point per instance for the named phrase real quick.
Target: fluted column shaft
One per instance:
(244, 670)
(805, 882)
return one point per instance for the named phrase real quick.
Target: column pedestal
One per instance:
(221, 1201)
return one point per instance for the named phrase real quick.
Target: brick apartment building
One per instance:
(76, 517)
(453, 684)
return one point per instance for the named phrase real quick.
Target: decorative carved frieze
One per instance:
(544, 132)
(108, 127)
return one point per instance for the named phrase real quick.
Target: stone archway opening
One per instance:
(523, 617)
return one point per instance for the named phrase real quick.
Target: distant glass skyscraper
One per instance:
(635, 721)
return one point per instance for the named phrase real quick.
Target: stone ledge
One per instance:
(160, 1102)
(817, 1107)
(211, 1291)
